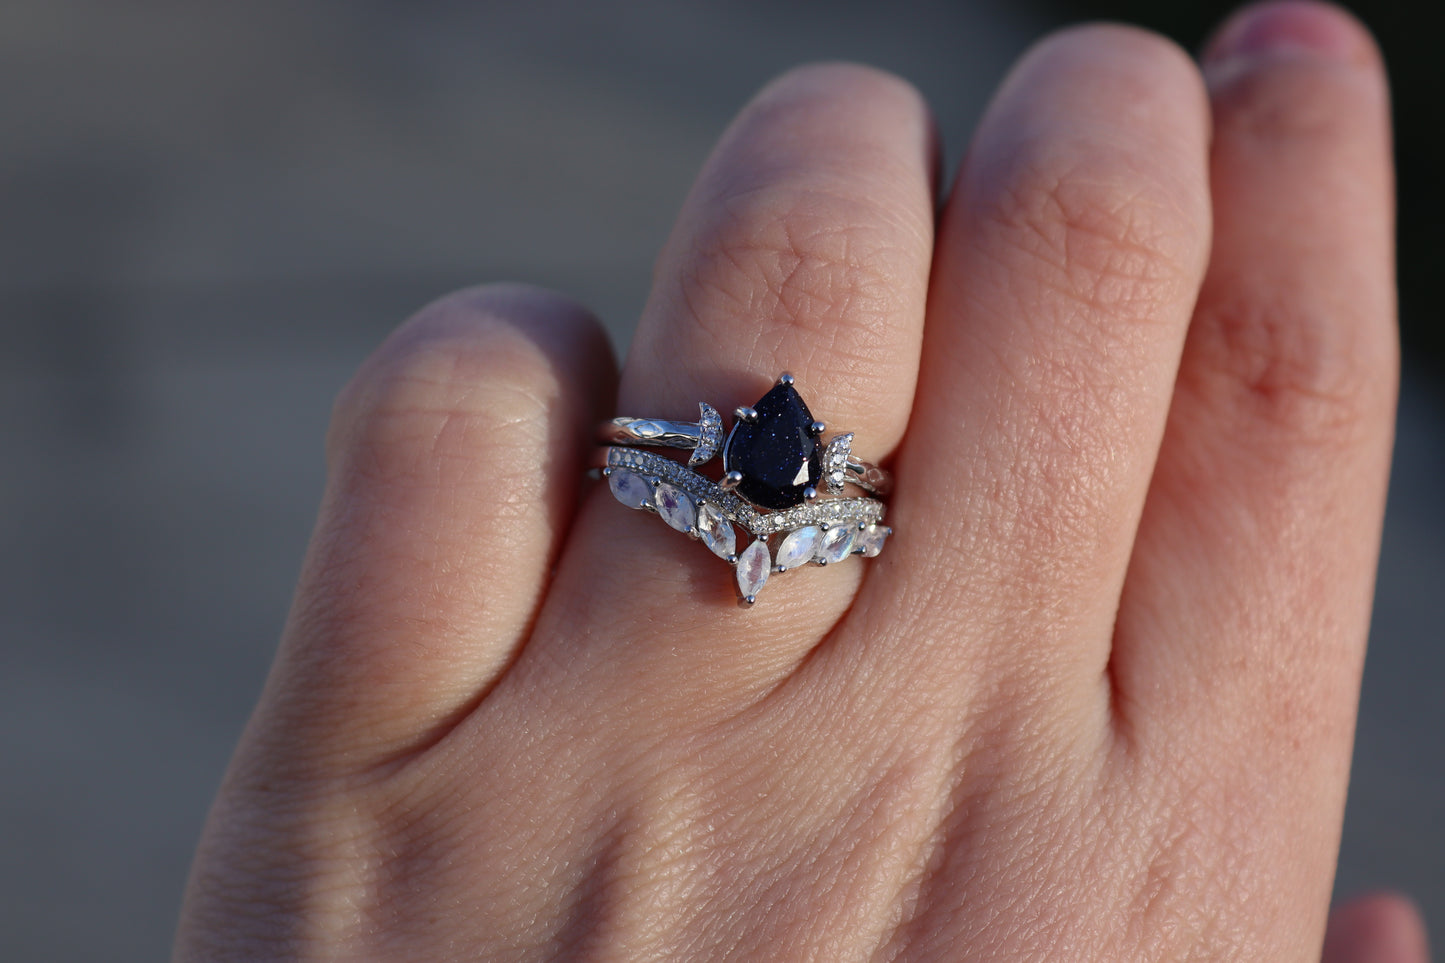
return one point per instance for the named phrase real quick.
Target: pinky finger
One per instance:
(1380, 928)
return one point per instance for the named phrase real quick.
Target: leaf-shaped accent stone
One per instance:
(837, 544)
(629, 488)
(869, 542)
(798, 547)
(716, 532)
(676, 507)
(753, 567)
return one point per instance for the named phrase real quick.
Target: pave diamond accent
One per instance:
(798, 548)
(835, 462)
(716, 532)
(837, 544)
(712, 434)
(752, 570)
(824, 511)
(676, 507)
(630, 488)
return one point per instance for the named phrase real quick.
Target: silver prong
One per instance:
(785, 378)
(779, 569)
(749, 599)
(732, 559)
(730, 481)
(817, 428)
(862, 526)
(744, 413)
(810, 494)
(606, 472)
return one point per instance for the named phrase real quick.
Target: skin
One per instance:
(1096, 699)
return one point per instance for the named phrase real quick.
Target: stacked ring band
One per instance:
(777, 471)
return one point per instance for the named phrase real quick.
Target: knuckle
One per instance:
(461, 377)
(1105, 234)
(1289, 364)
(824, 266)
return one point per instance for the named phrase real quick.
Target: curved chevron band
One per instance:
(774, 465)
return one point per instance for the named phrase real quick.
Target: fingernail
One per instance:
(1284, 27)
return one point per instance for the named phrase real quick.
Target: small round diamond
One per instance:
(629, 488)
(836, 545)
(798, 548)
(676, 507)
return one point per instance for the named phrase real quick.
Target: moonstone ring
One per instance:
(775, 469)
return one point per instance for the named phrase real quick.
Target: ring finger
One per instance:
(803, 247)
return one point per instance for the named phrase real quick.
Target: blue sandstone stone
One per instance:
(778, 454)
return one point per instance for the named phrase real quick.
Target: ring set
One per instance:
(776, 471)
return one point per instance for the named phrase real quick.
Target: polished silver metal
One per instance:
(651, 431)
(786, 378)
(817, 428)
(744, 413)
(730, 480)
(869, 476)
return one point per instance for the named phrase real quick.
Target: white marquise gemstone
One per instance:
(676, 507)
(752, 569)
(870, 541)
(629, 488)
(836, 545)
(716, 531)
(798, 548)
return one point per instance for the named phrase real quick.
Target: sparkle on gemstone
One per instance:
(777, 453)
(752, 569)
(869, 542)
(836, 545)
(629, 488)
(716, 532)
(676, 507)
(798, 548)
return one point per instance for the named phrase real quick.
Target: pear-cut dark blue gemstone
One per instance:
(777, 454)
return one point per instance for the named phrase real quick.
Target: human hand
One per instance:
(1095, 700)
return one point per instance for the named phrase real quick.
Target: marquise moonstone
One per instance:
(716, 531)
(676, 507)
(869, 542)
(798, 548)
(836, 545)
(777, 453)
(629, 488)
(752, 569)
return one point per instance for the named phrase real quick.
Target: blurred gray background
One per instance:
(210, 212)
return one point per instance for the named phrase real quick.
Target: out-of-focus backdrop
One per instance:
(210, 212)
